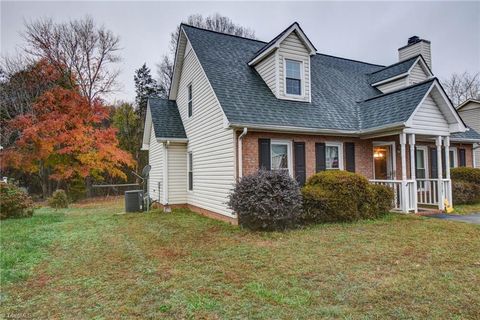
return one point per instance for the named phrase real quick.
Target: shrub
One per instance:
(14, 202)
(76, 190)
(465, 192)
(380, 202)
(466, 174)
(266, 200)
(340, 196)
(58, 199)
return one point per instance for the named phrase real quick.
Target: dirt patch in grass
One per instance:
(87, 262)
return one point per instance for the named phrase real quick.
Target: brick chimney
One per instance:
(416, 46)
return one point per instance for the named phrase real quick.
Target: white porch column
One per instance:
(448, 192)
(404, 196)
(439, 173)
(413, 170)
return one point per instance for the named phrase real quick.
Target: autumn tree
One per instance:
(215, 22)
(461, 87)
(84, 50)
(62, 138)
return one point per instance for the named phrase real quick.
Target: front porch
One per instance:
(423, 180)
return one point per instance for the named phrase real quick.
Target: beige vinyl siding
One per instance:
(155, 159)
(393, 85)
(417, 74)
(267, 70)
(421, 47)
(470, 114)
(209, 141)
(293, 48)
(177, 173)
(429, 117)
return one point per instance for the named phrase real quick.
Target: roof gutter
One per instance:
(351, 133)
(166, 139)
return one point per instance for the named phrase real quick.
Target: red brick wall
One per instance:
(363, 151)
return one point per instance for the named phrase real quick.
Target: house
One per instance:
(237, 105)
(470, 113)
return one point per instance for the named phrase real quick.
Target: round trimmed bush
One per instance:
(466, 174)
(267, 200)
(14, 202)
(58, 199)
(341, 196)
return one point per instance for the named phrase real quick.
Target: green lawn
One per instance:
(87, 262)
(467, 208)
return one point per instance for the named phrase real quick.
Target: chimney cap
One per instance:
(413, 39)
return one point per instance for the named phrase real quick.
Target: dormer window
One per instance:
(293, 77)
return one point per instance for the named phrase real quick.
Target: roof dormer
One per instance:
(284, 64)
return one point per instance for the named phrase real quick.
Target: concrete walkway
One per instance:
(471, 218)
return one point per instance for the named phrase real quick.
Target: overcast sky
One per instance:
(366, 31)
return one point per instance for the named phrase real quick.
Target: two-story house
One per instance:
(237, 105)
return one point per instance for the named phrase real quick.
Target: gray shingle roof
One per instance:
(392, 107)
(392, 70)
(469, 135)
(166, 119)
(337, 85)
(342, 97)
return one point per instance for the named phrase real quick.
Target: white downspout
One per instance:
(240, 155)
(165, 174)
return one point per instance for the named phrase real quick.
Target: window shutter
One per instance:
(320, 161)
(300, 169)
(462, 160)
(350, 156)
(433, 163)
(264, 154)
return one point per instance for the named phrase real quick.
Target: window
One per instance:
(280, 155)
(453, 157)
(190, 102)
(420, 163)
(190, 171)
(334, 156)
(293, 78)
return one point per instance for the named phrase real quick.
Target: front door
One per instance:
(384, 162)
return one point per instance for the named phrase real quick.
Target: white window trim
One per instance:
(189, 155)
(426, 159)
(288, 143)
(189, 100)
(455, 157)
(341, 165)
(302, 77)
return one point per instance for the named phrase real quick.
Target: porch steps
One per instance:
(428, 211)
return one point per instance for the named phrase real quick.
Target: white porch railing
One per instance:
(427, 193)
(407, 197)
(427, 190)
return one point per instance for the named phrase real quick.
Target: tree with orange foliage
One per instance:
(63, 138)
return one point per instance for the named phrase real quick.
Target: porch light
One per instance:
(378, 155)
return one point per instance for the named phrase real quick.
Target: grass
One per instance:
(88, 262)
(467, 208)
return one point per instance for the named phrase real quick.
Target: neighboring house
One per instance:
(470, 113)
(237, 105)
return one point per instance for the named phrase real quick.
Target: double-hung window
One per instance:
(334, 156)
(190, 101)
(190, 171)
(281, 155)
(293, 77)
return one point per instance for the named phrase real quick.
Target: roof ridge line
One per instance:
(348, 59)
(221, 33)
(401, 89)
(396, 63)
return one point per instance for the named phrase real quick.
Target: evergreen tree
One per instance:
(145, 87)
